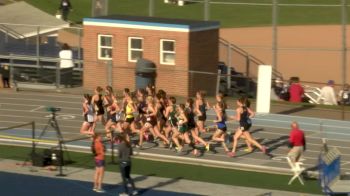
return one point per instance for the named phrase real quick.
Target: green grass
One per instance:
(184, 171)
(228, 15)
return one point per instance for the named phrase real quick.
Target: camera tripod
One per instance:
(52, 122)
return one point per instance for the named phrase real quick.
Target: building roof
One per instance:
(152, 23)
(21, 20)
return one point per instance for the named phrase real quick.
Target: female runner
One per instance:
(160, 107)
(98, 106)
(151, 123)
(170, 115)
(88, 113)
(192, 126)
(129, 113)
(201, 106)
(182, 131)
(114, 117)
(220, 133)
(108, 100)
(243, 116)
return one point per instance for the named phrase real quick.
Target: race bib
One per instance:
(90, 118)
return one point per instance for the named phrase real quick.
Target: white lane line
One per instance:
(36, 111)
(37, 108)
(32, 117)
(345, 163)
(49, 130)
(40, 100)
(18, 104)
(44, 94)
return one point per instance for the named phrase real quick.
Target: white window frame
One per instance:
(99, 47)
(161, 52)
(134, 49)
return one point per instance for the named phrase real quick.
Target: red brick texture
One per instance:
(194, 51)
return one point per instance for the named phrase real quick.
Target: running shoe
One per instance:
(178, 149)
(264, 149)
(135, 193)
(231, 154)
(100, 191)
(171, 145)
(94, 189)
(248, 150)
(207, 147)
(139, 146)
(195, 152)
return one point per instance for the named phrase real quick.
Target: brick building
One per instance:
(174, 46)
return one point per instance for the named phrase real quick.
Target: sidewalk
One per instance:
(16, 179)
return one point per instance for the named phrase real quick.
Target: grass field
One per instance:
(228, 15)
(184, 171)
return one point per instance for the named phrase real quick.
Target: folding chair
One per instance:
(296, 169)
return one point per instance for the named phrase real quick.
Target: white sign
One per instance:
(264, 89)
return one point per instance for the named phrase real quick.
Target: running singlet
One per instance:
(140, 107)
(114, 115)
(150, 119)
(128, 110)
(190, 117)
(183, 126)
(245, 123)
(89, 115)
(99, 106)
(203, 110)
(172, 118)
(160, 113)
(222, 124)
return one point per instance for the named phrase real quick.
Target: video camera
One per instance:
(53, 109)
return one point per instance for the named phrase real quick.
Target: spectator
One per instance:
(280, 90)
(65, 7)
(344, 95)
(98, 150)
(66, 65)
(297, 142)
(5, 73)
(327, 94)
(125, 151)
(296, 91)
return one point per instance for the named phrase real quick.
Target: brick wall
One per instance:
(172, 78)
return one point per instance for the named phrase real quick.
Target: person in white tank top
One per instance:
(66, 65)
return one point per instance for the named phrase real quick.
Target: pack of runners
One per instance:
(154, 116)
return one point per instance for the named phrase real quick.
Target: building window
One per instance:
(167, 52)
(105, 47)
(135, 49)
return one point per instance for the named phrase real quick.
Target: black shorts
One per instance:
(202, 118)
(224, 129)
(100, 112)
(113, 118)
(129, 120)
(99, 163)
(151, 120)
(244, 126)
(191, 126)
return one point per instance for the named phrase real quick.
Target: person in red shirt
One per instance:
(296, 91)
(98, 150)
(297, 142)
